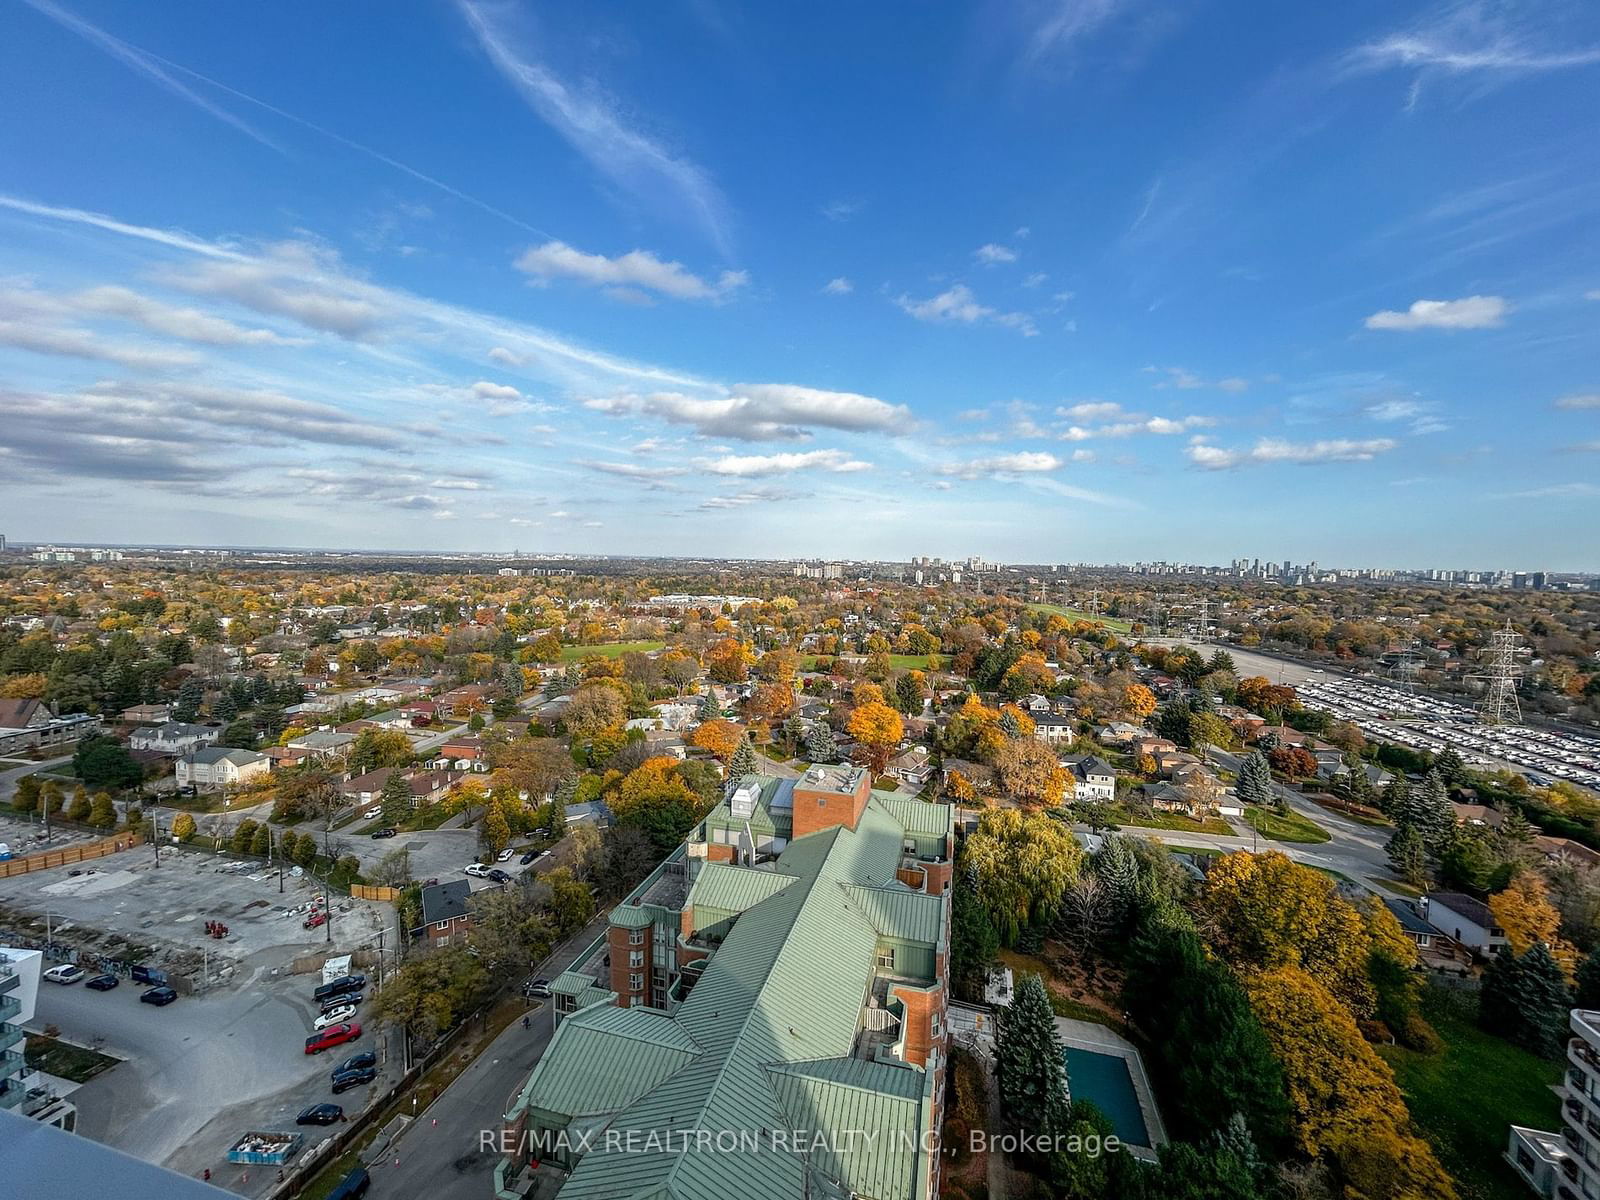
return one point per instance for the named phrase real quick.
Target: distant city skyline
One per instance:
(700, 279)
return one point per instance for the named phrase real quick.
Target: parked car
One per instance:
(373, 813)
(353, 1186)
(320, 1114)
(339, 986)
(315, 920)
(334, 1035)
(385, 833)
(343, 1081)
(496, 875)
(477, 870)
(528, 857)
(334, 1016)
(539, 988)
(101, 983)
(357, 1062)
(343, 1000)
(148, 975)
(159, 996)
(504, 855)
(65, 973)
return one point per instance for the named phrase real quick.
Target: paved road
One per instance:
(8, 778)
(441, 1157)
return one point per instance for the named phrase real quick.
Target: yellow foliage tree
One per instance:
(25, 687)
(1030, 772)
(1138, 701)
(718, 736)
(1524, 911)
(878, 729)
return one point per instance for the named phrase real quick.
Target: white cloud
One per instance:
(1472, 312)
(1584, 447)
(637, 270)
(1554, 491)
(743, 465)
(1472, 36)
(594, 125)
(1021, 462)
(957, 303)
(507, 358)
(1275, 450)
(633, 470)
(1233, 384)
(1584, 400)
(61, 342)
(762, 411)
(291, 279)
(484, 390)
(190, 324)
(992, 254)
(1090, 410)
(838, 287)
(1594, 295)
(1034, 280)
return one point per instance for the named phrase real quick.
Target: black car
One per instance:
(498, 876)
(383, 833)
(357, 1062)
(101, 983)
(352, 1186)
(339, 1001)
(158, 996)
(345, 983)
(320, 1114)
(343, 1081)
(528, 857)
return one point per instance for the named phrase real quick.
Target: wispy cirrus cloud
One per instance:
(1581, 400)
(762, 411)
(838, 286)
(626, 275)
(836, 461)
(1477, 37)
(1471, 312)
(958, 304)
(1022, 462)
(992, 254)
(1276, 450)
(593, 124)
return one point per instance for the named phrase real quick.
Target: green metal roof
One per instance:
(631, 916)
(734, 889)
(787, 986)
(917, 816)
(900, 913)
(603, 1058)
(877, 1103)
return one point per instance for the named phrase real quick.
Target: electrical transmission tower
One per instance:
(1405, 670)
(1203, 626)
(1094, 601)
(1501, 672)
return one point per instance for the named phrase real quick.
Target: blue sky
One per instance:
(1083, 280)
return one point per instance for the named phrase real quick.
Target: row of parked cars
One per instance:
(339, 999)
(160, 995)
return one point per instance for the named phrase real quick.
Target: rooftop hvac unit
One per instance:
(743, 802)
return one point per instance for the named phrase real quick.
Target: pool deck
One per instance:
(1085, 1035)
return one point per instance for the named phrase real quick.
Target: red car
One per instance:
(333, 1035)
(315, 919)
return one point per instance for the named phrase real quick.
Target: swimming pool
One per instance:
(1104, 1079)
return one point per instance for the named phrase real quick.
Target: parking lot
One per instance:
(231, 1055)
(22, 836)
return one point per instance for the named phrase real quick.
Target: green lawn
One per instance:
(1358, 818)
(1464, 1097)
(572, 654)
(901, 662)
(1285, 827)
(1398, 885)
(1119, 815)
(1115, 624)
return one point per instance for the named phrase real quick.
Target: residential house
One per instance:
(1120, 733)
(146, 714)
(322, 743)
(446, 913)
(1464, 919)
(677, 715)
(462, 754)
(33, 724)
(979, 777)
(218, 766)
(365, 789)
(1052, 728)
(420, 712)
(1411, 923)
(430, 787)
(914, 767)
(666, 742)
(1480, 816)
(175, 737)
(1565, 851)
(1093, 779)
(469, 698)
(1149, 743)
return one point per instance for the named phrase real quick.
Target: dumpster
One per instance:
(264, 1147)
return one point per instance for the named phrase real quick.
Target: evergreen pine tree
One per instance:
(1395, 798)
(1431, 812)
(224, 709)
(1450, 767)
(1408, 855)
(794, 729)
(1525, 1000)
(1588, 990)
(1009, 724)
(395, 799)
(1255, 781)
(709, 709)
(820, 746)
(190, 696)
(744, 761)
(1029, 1060)
(1118, 870)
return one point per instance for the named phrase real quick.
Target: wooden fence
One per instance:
(67, 855)
(367, 891)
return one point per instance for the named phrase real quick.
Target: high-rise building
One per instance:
(1566, 1165)
(765, 1015)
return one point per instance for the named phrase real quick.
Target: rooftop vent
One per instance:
(742, 804)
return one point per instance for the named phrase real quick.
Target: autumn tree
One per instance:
(655, 799)
(1138, 701)
(1267, 911)
(593, 708)
(494, 831)
(717, 736)
(1294, 761)
(728, 660)
(1030, 772)
(1524, 911)
(375, 748)
(877, 728)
